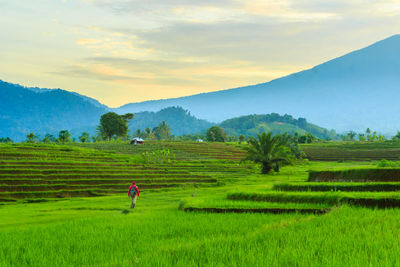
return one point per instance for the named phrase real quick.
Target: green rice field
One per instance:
(67, 205)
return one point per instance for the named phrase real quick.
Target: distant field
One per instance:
(352, 151)
(53, 171)
(182, 150)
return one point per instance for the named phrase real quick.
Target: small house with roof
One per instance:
(136, 141)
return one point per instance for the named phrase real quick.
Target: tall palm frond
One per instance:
(270, 151)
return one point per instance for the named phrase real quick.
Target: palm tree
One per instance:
(270, 151)
(139, 133)
(162, 131)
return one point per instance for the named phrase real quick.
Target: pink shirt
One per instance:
(136, 189)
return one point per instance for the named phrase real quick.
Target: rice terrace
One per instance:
(204, 207)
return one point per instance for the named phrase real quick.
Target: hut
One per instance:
(136, 141)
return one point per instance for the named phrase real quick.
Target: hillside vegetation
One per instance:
(252, 125)
(24, 110)
(179, 120)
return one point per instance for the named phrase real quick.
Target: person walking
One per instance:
(133, 193)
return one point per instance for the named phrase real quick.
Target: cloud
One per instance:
(87, 41)
(355, 8)
(95, 71)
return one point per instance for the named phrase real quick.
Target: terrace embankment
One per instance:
(370, 151)
(49, 171)
(356, 175)
(186, 151)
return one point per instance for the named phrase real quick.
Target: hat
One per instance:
(133, 182)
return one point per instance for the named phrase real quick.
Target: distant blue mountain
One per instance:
(352, 92)
(47, 111)
(26, 109)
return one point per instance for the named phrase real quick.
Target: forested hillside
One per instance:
(179, 120)
(24, 110)
(252, 125)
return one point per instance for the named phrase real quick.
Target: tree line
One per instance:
(368, 136)
(115, 127)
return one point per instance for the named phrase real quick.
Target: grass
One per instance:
(96, 231)
(218, 205)
(342, 186)
(55, 230)
(357, 151)
(367, 199)
(356, 175)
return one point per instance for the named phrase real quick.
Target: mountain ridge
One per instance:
(354, 77)
(24, 110)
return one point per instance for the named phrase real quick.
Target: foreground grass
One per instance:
(97, 231)
(103, 231)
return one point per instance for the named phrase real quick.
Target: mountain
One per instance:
(252, 125)
(358, 90)
(25, 109)
(31, 109)
(180, 121)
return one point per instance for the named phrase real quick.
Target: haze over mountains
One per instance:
(352, 92)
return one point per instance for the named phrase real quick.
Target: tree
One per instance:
(127, 117)
(30, 138)
(64, 136)
(216, 134)
(368, 132)
(396, 137)
(296, 137)
(113, 124)
(48, 138)
(290, 142)
(162, 131)
(6, 140)
(148, 134)
(97, 138)
(241, 138)
(270, 151)
(85, 136)
(374, 136)
(351, 135)
(148, 131)
(362, 137)
(302, 123)
(310, 138)
(306, 139)
(139, 133)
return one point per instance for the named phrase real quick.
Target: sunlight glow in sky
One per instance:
(122, 51)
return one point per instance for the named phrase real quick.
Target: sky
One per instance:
(124, 51)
